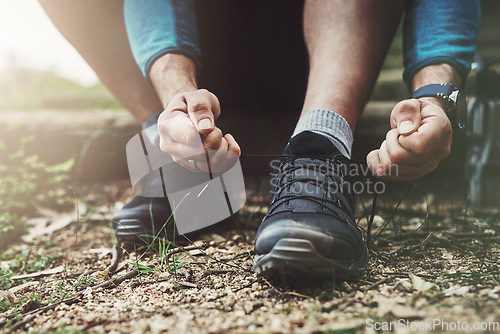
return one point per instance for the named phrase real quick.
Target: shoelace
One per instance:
(326, 180)
(322, 202)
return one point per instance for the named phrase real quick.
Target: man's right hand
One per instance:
(188, 132)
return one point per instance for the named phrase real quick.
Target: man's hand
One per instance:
(188, 132)
(419, 139)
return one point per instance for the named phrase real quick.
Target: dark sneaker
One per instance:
(143, 220)
(309, 230)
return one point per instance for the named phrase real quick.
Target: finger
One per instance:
(386, 165)
(399, 155)
(179, 136)
(233, 152)
(212, 141)
(211, 145)
(432, 135)
(177, 103)
(233, 145)
(226, 156)
(218, 157)
(373, 162)
(203, 107)
(406, 117)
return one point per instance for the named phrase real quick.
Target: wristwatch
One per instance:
(453, 102)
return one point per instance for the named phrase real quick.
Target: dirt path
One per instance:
(432, 267)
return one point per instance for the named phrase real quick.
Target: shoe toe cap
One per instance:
(332, 246)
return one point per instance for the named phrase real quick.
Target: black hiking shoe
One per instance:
(144, 220)
(309, 230)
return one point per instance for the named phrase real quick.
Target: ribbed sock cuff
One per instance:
(329, 124)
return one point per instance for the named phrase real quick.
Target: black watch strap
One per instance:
(434, 90)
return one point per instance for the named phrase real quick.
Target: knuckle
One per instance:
(215, 161)
(200, 106)
(394, 156)
(217, 132)
(164, 146)
(209, 146)
(162, 128)
(448, 131)
(406, 105)
(191, 137)
(179, 96)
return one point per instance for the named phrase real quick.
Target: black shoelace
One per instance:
(326, 175)
(287, 167)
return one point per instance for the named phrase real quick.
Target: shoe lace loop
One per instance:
(326, 175)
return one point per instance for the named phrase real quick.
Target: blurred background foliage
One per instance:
(23, 88)
(26, 185)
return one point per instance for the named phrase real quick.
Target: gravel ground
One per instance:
(434, 266)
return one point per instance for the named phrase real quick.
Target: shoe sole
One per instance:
(298, 259)
(133, 233)
(130, 236)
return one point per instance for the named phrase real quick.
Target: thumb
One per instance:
(203, 120)
(203, 107)
(406, 116)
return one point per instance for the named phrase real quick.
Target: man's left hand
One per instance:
(420, 137)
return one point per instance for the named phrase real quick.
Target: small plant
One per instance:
(176, 265)
(25, 184)
(5, 275)
(61, 292)
(84, 281)
(4, 306)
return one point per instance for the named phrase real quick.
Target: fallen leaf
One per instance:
(7, 296)
(456, 291)
(47, 272)
(494, 293)
(22, 286)
(187, 285)
(55, 225)
(195, 252)
(102, 251)
(403, 285)
(420, 284)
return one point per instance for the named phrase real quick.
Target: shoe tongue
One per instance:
(308, 143)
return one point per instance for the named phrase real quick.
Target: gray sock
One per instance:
(329, 124)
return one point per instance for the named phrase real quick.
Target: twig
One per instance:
(419, 235)
(187, 284)
(107, 284)
(32, 314)
(20, 324)
(116, 258)
(374, 285)
(217, 272)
